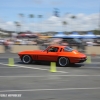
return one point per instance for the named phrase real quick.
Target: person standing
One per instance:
(5, 45)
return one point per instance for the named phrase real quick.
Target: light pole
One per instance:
(21, 16)
(56, 14)
(64, 25)
(38, 27)
(31, 16)
(17, 27)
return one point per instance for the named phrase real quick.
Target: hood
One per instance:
(30, 51)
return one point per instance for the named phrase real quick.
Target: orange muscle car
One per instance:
(63, 55)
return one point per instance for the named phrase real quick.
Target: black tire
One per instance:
(63, 61)
(26, 59)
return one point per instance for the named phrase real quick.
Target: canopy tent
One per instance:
(75, 35)
(98, 36)
(60, 35)
(89, 35)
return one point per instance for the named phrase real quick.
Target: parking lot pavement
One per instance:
(56, 95)
(36, 82)
(39, 84)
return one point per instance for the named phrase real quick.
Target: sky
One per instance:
(86, 12)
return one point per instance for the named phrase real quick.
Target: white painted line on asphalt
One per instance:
(97, 57)
(89, 67)
(32, 68)
(20, 76)
(9, 67)
(75, 75)
(59, 89)
(91, 63)
(9, 57)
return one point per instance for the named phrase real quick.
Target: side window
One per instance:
(53, 49)
(50, 49)
(68, 49)
(56, 49)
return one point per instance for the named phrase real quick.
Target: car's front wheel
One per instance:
(63, 61)
(26, 59)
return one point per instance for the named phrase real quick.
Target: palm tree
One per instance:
(31, 16)
(73, 17)
(64, 23)
(39, 16)
(21, 15)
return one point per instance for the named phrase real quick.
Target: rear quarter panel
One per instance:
(73, 57)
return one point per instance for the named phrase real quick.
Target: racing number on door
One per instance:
(35, 57)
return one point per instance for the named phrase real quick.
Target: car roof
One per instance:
(59, 46)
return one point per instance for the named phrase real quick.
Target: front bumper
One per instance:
(83, 60)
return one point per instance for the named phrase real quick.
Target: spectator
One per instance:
(83, 45)
(10, 43)
(6, 45)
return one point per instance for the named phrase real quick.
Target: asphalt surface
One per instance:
(36, 82)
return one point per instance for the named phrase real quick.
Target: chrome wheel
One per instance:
(26, 59)
(63, 61)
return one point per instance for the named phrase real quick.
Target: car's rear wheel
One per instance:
(26, 59)
(63, 61)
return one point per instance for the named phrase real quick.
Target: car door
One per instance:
(50, 55)
(42, 56)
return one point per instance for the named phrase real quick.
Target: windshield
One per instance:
(68, 49)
